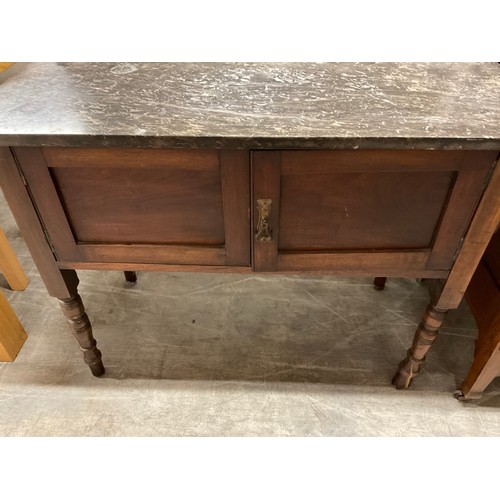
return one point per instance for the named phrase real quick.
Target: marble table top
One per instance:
(252, 105)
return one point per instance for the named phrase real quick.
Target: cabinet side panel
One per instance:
(463, 201)
(59, 283)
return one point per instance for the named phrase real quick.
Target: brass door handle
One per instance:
(264, 232)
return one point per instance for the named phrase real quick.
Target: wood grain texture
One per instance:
(12, 333)
(485, 222)
(424, 338)
(266, 185)
(47, 203)
(463, 201)
(483, 297)
(190, 209)
(9, 265)
(176, 268)
(81, 328)
(170, 205)
(161, 254)
(349, 213)
(59, 283)
(352, 161)
(235, 175)
(484, 369)
(390, 264)
(136, 158)
(483, 226)
(355, 211)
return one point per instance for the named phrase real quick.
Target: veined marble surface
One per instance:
(252, 105)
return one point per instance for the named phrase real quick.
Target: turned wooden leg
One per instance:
(379, 283)
(82, 330)
(424, 337)
(130, 276)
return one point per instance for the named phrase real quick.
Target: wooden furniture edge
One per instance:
(12, 333)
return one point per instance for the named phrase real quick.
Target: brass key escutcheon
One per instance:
(263, 228)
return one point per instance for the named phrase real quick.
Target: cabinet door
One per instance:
(394, 213)
(144, 206)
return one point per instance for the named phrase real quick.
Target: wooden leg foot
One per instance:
(82, 330)
(424, 337)
(130, 276)
(407, 371)
(485, 367)
(379, 283)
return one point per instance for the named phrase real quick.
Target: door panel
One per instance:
(373, 211)
(362, 212)
(171, 205)
(146, 206)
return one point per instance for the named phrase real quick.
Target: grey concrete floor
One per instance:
(236, 355)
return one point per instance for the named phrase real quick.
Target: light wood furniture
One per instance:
(5, 65)
(9, 265)
(12, 334)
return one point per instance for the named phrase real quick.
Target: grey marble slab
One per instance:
(252, 105)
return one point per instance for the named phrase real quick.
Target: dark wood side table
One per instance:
(364, 169)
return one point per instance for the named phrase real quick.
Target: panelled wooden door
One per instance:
(400, 213)
(127, 205)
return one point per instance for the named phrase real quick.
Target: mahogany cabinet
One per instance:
(147, 206)
(370, 212)
(401, 213)
(357, 169)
